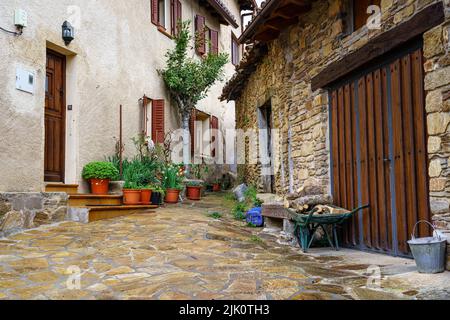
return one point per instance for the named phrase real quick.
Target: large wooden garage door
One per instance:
(379, 154)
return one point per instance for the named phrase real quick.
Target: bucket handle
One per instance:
(431, 225)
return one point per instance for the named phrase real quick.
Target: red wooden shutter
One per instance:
(173, 20)
(155, 12)
(158, 129)
(175, 15)
(214, 141)
(192, 130)
(200, 31)
(214, 35)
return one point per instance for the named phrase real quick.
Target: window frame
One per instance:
(235, 55)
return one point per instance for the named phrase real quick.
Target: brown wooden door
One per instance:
(55, 117)
(379, 155)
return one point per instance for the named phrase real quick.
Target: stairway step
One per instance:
(83, 200)
(61, 187)
(97, 213)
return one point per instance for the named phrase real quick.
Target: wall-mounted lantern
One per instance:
(68, 33)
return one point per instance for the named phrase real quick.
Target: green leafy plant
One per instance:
(194, 184)
(197, 171)
(189, 79)
(100, 170)
(239, 211)
(173, 176)
(158, 189)
(256, 239)
(215, 215)
(251, 197)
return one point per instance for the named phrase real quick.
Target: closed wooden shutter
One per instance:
(158, 127)
(176, 15)
(200, 34)
(214, 35)
(155, 12)
(192, 130)
(214, 136)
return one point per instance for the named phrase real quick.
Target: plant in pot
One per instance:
(131, 190)
(194, 190)
(173, 175)
(216, 186)
(158, 194)
(99, 174)
(146, 195)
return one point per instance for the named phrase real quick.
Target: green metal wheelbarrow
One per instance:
(307, 224)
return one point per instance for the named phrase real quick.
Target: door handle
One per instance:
(387, 160)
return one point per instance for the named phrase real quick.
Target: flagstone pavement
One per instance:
(180, 252)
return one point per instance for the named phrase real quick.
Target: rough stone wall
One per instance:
(300, 53)
(19, 211)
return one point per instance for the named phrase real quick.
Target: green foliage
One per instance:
(100, 170)
(251, 197)
(197, 171)
(173, 176)
(256, 239)
(194, 184)
(215, 215)
(189, 78)
(239, 210)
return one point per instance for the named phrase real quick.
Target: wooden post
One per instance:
(121, 144)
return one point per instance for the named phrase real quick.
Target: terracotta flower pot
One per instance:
(216, 187)
(131, 197)
(100, 186)
(146, 195)
(194, 193)
(172, 195)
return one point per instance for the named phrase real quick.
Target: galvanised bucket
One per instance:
(429, 253)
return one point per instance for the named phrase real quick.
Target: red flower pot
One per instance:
(194, 193)
(216, 187)
(146, 196)
(100, 186)
(172, 195)
(131, 197)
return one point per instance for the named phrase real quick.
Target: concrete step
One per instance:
(61, 187)
(84, 200)
(97, 213)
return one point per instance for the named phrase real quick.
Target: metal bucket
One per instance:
(429, 253)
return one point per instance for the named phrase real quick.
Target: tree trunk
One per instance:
(186, 139)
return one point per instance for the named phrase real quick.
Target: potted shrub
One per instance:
(99, 174)
(194, 190)
(131, 193)
(157, 196)
(146, 195)
(216, 186)
(173, 176)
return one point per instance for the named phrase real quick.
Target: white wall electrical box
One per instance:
(20, 18)
(25, 80)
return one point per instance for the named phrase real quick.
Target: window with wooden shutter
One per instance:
(214, 37)
(158, 127)
(155, 12)
(214, 136)
(192, 130)
(235, 57)
(176, 15)
(200, 34)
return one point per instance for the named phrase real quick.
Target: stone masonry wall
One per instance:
(19, 211)
(300, 53)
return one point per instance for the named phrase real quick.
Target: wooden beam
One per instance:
(424, 20)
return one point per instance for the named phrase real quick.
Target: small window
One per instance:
(162, 13)
(235, 56)
(360, 15)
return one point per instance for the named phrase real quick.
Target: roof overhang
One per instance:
(274, 17)
(220, 9)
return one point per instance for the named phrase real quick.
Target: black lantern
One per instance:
(68, 33)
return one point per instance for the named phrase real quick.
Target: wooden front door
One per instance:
(379, 153)
(55, 117)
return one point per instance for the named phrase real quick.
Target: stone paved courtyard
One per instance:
(180, 252)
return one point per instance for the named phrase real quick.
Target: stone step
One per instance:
(61, 187)
(84, 200)
(108, 212)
